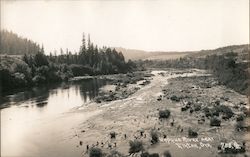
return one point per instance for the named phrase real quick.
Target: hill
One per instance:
(241, 50)
(134, 54)
(12, 44)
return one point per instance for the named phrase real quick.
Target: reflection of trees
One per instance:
(41, 104)
(89, 88)
(41, 101)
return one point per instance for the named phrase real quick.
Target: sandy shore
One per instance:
(140, 112)
(69, 133)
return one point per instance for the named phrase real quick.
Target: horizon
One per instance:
(136, 25)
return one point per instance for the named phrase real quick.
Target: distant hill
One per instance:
(134, 54)
(12, 44)
(241, 50)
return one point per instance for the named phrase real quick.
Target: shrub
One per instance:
(197, 107)
(39, 79)
(135, 146)
(19, 79)
(166, 154)
(95, 152)
(207, 112)
(240, 117)
(228, 113)
(112, 134)
(154, 155)
(154, 137)
(215, 122)
(191, 133)
(145, 154)
(164, 113)
(115, 153)
(175, 98)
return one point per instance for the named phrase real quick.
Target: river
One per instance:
(25, 122)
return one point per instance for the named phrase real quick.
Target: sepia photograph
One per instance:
(124, 78)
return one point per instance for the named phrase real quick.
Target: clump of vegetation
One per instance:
(227, 67)
(146, 154)
(240, 126)
(135, 146)
(207, 112)
(115, 153)
(227, 111)
(154, 137)
(192, 133)
(175, 98)
(34, 67)
(112, 134)
(197, 107)
(240, 117)
(154, 155)
(215, 122)
(164, 113)
(166, 154)
(95, 152)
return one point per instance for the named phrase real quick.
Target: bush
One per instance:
(135, 146)
(240, 117)
(175, 98)
(164, 113)
(166, 154)
(191, 133)
(38, 79)
(215, 122)
(95, 152)
(146, 154)
(154, 155)
(115, 153)
(112, 134)
(154, 137)
(19, 79)
(228, 113)
(80, 70)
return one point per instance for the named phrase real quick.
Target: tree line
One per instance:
(37, 68)
(227, 68)
(12, 44)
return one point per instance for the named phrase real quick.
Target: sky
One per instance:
(152, 25)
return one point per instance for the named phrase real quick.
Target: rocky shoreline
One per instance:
(198, 108)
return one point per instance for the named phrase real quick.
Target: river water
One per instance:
(25, 124)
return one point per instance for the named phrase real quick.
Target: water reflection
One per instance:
(28, 109)
(84, 89)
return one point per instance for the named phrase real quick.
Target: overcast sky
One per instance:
(167, 25)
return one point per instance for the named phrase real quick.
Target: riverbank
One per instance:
(135, 116)
(140, 112)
